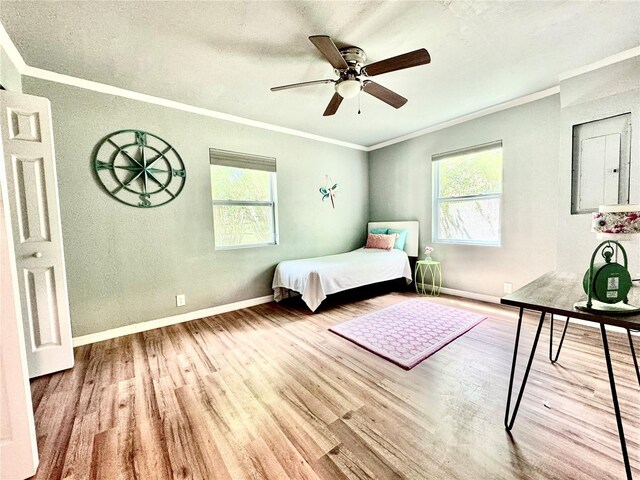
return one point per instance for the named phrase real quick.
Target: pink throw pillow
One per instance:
(379, 240)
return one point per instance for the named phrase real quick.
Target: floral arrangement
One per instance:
(616, 222)
(427, 251)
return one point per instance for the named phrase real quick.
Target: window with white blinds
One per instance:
(467, 193)
(243, 194)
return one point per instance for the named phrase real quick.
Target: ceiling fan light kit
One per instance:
(348, 64)
(348, 88)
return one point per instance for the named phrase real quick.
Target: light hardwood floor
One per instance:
(268, 392)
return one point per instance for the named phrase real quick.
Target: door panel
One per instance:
(41, 300)
(24, 125)
(18, 448)
(33, 200)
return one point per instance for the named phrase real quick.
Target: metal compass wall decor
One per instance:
(139, 169)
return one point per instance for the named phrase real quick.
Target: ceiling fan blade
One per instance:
(329, 50)
(384, 94)
(332, 108)
(301, 84)
(406, 60)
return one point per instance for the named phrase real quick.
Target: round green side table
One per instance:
(432, 268)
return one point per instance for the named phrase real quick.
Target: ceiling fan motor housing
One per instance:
(354, 56)
(349, 84)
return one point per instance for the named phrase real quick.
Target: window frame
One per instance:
(272, 202)
(437, 200)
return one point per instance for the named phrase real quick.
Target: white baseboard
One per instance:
(491, 299)
(473, 296)
(164, 322)
(207, 312)
(586, 323)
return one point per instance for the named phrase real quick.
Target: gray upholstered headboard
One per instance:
(411, 246)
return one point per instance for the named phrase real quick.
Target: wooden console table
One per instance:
(555, 293)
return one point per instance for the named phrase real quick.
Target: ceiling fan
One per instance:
(348, 64)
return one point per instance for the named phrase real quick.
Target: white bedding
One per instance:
(315, 278)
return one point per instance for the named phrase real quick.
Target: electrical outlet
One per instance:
(181, 300)
(508, 287)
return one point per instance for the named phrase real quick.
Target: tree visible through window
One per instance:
(467, 188)
(243, 197)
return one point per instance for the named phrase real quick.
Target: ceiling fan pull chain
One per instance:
(358, 103)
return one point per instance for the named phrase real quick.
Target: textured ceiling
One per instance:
(225, 56)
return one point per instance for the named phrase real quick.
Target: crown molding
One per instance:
(143, 97)
(11, 51)
(24, 69)
(605, 62)
(610, 60)
(14, 55)
(532, 97)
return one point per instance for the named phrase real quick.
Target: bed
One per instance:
(315, 278)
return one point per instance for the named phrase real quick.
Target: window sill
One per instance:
(241, 247)
(469, 242)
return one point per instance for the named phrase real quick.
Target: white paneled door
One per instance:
(29, 165)
(18, 449)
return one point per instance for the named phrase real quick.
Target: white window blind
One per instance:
(467, 192)
(243, 194)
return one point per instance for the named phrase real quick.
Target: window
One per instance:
(467, 186)
(243, 192)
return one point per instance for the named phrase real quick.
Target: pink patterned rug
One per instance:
(408, 332)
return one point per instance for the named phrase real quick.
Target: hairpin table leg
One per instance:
(552, 358)
(614, 396)
(508, 423)
(633, 354)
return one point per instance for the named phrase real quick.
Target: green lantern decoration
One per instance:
(607, 284)
(139, 169)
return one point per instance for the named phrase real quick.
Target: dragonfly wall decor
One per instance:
(329, 191)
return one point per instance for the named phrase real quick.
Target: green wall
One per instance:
(400, 186)
(10, 78)
(125, 265)
(538, 231)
